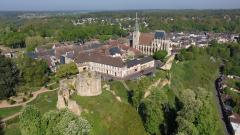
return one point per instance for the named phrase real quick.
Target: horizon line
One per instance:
(103, 10)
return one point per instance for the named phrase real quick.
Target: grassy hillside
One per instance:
(108, 116)
(198, 75)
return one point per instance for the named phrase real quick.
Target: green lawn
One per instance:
(5, 112)
(109, 116)
(43, 102)
(12, 127)
(120, 90)
(46, 101)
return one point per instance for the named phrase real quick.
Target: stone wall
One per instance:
(88, 84)
(63, 97)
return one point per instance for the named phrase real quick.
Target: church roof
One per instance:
(160, 34)
(146, 38)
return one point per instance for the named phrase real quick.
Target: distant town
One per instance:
(98, 71)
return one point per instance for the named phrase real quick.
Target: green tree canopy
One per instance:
(66, 70)
(30, 121)
(52, 123)
(9, 77)
(33, 42)
(160, 55)
(33, 72)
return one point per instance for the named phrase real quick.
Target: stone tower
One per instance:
(136, 33)
(88, 84)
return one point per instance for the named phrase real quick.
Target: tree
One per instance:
(30, 121)
(9, 77)
(152, 112)
(34, 73)
(66, 70)
(14, 39)
(33, 42)
(185, 127)
(1, 128)
(160, 55)
(238, 85)
(185, 55)
(52, 123)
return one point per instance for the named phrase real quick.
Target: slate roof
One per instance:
(62, 50)
(32, 55)
(114, 50)
(135, 62)
(70, 55)
(99, 58)
(160, 35)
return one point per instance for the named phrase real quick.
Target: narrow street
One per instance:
(222, 114)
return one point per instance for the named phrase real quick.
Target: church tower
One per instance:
(136, 33)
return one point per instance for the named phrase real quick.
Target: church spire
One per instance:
(136, 23)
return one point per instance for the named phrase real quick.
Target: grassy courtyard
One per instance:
(46, 101)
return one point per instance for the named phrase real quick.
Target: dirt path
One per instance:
(35, 94)
(10, 117)
(160, 82)
(125, 85)
(168, 64)
(5, 104)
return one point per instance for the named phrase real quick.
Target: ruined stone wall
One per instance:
(88, 84)
(63, 97)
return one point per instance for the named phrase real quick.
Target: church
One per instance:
(148, 43)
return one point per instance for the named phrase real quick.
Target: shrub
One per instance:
(11, 101)
(30, 95)
(160, 55)
(24, 99)
(238, 85)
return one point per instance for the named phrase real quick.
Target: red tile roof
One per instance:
(235, 118)
(62, 50)
(146, 38)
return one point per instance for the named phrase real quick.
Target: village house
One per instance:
(111, 67)
(235, 123)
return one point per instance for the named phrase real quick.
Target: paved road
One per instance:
(222, 114)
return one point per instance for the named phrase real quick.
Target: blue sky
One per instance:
(116, 4)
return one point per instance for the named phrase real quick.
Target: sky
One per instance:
(53, 5)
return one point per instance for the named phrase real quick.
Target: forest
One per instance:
(29, 33)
